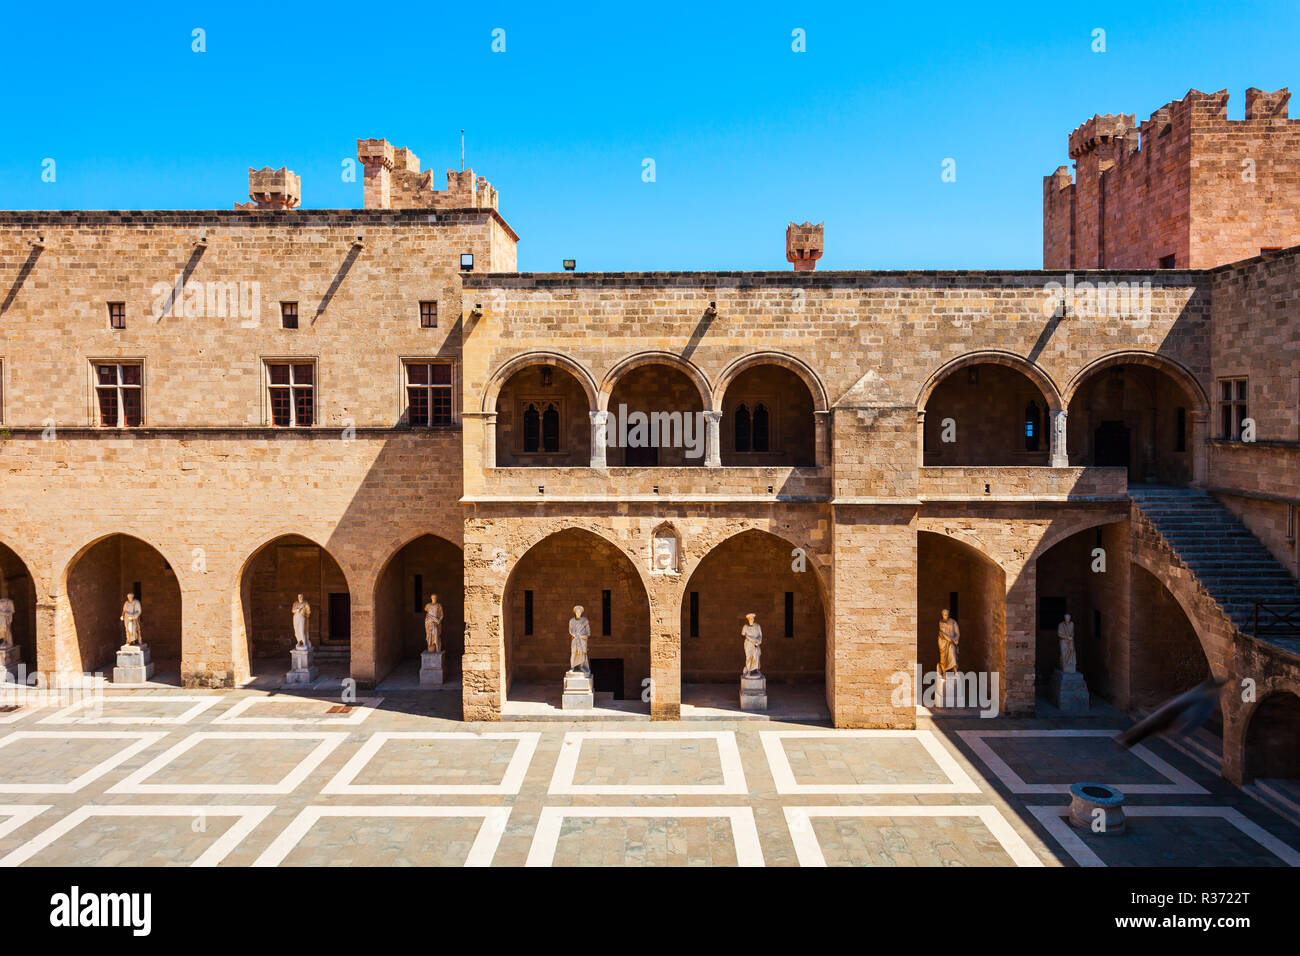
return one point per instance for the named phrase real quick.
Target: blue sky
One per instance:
(745, 134)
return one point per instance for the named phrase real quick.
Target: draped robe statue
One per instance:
(949, 638)
(1065, 634)
(131, 612)
(433, 623)
(753, 635)
(579, 631)
(301, 611)
(6, 622)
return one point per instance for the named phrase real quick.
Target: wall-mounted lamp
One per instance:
(467, 261)
(359, 242)
(546, 376)
(570, 265)
(38, 242)
(201, 242)
(711, 312)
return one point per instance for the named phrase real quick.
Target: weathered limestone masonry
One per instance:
(869, 348)
(845, 454)
(1188, 187)
(205, 479)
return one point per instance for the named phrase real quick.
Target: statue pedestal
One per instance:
(579, 692)
(431, 668)
(1069, 692)
(303, 669)
(753, 692)
(950, 691)
(11, 659)
(134, 664)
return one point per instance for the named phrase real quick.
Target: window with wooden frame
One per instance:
(429, 393)
(117, 315)
(1232, 406)
(291, 393)
(289, 315)
(753, 426)
(119, 394)
(428, 315)
(540, 419)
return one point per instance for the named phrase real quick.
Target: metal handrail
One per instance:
(1277, 619)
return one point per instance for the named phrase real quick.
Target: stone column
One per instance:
(822, 439)
(490, 440)
(713, 445)
(1199, 439)
(1060, 456)
(666, 647)
(599, 438)
(920, 438)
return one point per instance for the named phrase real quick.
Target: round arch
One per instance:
(956, 569)
(92, 584)
(1177, 371)
(528, 360)
(789, 362)
(424, 564)
(559, 569)
(747, 570)
(689, 369)
(255, 632)
(1214, 656)
(1274, 714)
(1051, 394)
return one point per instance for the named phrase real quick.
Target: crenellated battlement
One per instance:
(1185, 187)
(393, 180)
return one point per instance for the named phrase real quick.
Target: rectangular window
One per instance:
(541, 432)
(695, 614)
(138, 591)
(528, 613)
(605, 599)
(292, 393)
(789, 614)
(1167, 262)
(1232, 407)
(428, 393)
(1290, 522)
(118, 388)
(952, 604)
(289, 315)
(117, 315)
(418, 594)
(428, 315)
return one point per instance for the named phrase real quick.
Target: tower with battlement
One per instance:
(1187, 188)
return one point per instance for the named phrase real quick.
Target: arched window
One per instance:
(742, 428)
(1033, 425)
(551, 428)
(532, 428)
(761, 430)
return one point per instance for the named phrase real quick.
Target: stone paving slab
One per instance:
(573, 792)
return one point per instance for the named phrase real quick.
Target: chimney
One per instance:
(272, 189)
(803, 245)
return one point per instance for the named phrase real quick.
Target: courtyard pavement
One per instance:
(250, 777)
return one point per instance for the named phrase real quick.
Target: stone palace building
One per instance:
(220, 410)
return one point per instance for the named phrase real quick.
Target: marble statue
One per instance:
(949, 638)
(753, 635)
(130, 619)
(1065, 634)
(6, 621)
(433, 623)
(301, 611)
(579, 631)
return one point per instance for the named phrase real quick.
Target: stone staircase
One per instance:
(333, 654)
(1231, 564)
